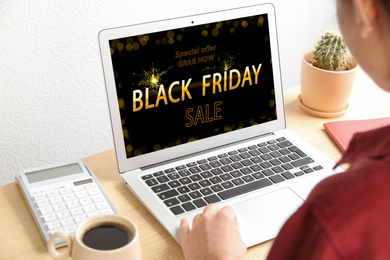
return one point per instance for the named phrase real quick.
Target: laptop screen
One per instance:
(182, 85)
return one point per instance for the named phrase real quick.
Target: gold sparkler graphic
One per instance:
(226, 62)
(152, 78)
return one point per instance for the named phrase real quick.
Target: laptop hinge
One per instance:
(201, 152)
(134, 171)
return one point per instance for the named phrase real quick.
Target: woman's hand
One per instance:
(214, 235)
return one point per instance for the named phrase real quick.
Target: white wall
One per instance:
(52, 97)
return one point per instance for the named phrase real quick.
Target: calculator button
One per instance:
(51, 232)
(78, 188)
(65, 191)
(49, 218)
(101, 206)
(42, 203)
(51, 194)
(85, 201)
(66, 222)
(81, 194)
(90, 185)
(69, 197)
(78, 219)
(53, 225)
(56, 200)
(59, 207)
(70, 230)
(91, 214)
(62, 215)
(38, 197)
(89, 208)
(72, 204)
(97, 199)
(93, 192)
(76, 212)
(45, 210)
(107, 211)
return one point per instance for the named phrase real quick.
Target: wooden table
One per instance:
(20, 237)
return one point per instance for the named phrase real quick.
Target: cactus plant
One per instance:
(331, 53)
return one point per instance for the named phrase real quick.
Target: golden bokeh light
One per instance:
(136, 46)
(170, 34)
(121, 102)
(157, 147)
(244, 24)
(120, 46)
(129, 148)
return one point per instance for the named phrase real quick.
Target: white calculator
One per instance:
(60, 196)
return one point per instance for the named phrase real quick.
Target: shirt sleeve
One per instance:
(303, 237)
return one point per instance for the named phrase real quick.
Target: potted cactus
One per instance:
(327, 77)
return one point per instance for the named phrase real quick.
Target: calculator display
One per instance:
(53, 173)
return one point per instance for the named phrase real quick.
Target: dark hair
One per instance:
(386, 5)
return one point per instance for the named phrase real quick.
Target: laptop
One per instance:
(197, 113)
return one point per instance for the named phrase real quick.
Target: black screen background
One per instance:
(240, 43)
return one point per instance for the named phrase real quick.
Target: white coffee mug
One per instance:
(80, 248)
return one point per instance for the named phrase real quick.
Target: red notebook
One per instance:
(342, 131)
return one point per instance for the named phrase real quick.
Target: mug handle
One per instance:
(53, 251)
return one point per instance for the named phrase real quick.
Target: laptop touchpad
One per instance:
(261, 218)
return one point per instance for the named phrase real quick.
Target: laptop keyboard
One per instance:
(194, 185)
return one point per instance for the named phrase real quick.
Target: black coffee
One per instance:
(107, 237)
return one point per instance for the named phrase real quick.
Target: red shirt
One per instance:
(346, 216)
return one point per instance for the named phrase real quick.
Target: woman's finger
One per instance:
(184, 229)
